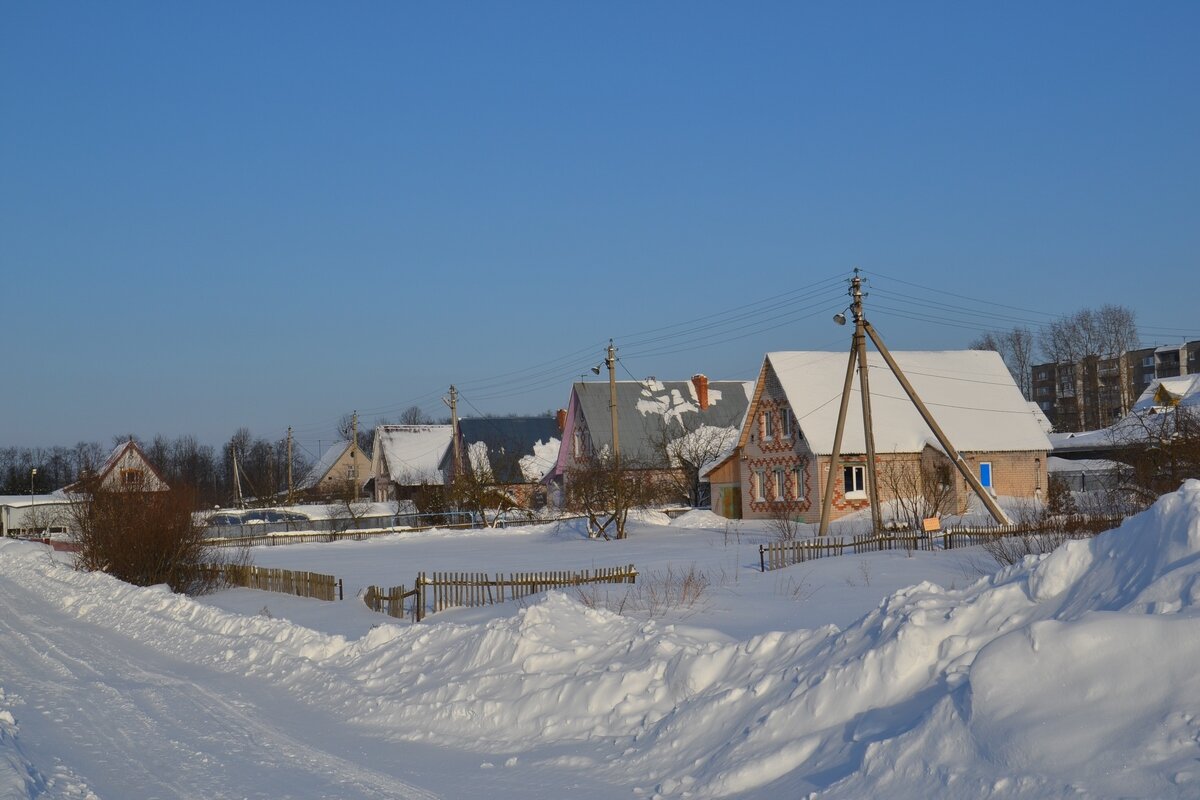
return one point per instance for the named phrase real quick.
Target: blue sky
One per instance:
(268, 214)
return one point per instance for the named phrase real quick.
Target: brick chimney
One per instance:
(701, 384)
(561, 418)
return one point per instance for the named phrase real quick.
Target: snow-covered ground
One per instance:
(882, 675)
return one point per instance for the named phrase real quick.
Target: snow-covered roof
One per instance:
(1043, 421)
(1182, 391)
(324, 464)
(511, 448)
(652, 411)
(1093, 465)
(970, 393)
(412, 452)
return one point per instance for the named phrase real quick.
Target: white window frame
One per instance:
(785, 416)
(768, 427)
(991, 475)
(798, 478)
(760, 480)
(780, 484)
(857, 478)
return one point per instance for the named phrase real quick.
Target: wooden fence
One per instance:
(285, 581)
(438, 591)
(783, 554)
(390, 601)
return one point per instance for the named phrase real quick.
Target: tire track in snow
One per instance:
(133, 722)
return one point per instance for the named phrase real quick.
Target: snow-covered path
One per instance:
(99, 710)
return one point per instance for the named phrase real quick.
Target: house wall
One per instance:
(783, 448)
(339, 475)
(131, 471)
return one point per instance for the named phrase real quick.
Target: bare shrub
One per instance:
(144, 538)
(784, 524)
(920, 489)
(654, 595)
(1012, 549)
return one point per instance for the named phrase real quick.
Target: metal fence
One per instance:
(258, 528)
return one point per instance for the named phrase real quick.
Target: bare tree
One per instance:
(688, 449)
(413, 415)
(605, 493)
(921, 488)
(1016, 348)
(1080, 340)
(1162, 450)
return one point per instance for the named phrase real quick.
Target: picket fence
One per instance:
(777, 555)
(438, 591)
(285, 581)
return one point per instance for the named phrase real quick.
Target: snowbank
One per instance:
(1069, 674)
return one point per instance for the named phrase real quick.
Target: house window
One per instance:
(852, 482)
(1148, 361)
(798, 481)
(760, 485)
(985, 474)
(132, 477)
(768, 427)
(780, 486)
(577, 444)
(786, 420)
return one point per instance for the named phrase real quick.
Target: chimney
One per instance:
(561, 418)
(701, 384)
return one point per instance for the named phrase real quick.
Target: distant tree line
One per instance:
(182, 461)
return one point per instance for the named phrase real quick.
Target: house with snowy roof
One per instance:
(782, 459)
(657, 422)
(515, 452)
(343, 469)
(127, 468)
(406, 457)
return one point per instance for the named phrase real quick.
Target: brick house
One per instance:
(785, 446)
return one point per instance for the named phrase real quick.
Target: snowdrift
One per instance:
(1071, 674)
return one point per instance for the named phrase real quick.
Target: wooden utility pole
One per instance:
(858, 353)
(964, 468)
(834, 457)
(864, 384)
(289, 465)
(610, 361)
(453, 403)
(237, 481)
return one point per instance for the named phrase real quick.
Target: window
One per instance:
(768, 427)
(852, 482)
(760, 484)
(132, 477)
(780, 485)
(786, 419)
(985, 474)
(1148, 361)
(798, 481)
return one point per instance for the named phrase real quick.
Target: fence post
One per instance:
(762, 559)
(341, 593)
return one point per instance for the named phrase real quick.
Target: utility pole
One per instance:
(289, 465)
(858, 353)
(963, 468)
(610, 361)
(864, 383)
(453, 403)
(237, 481)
